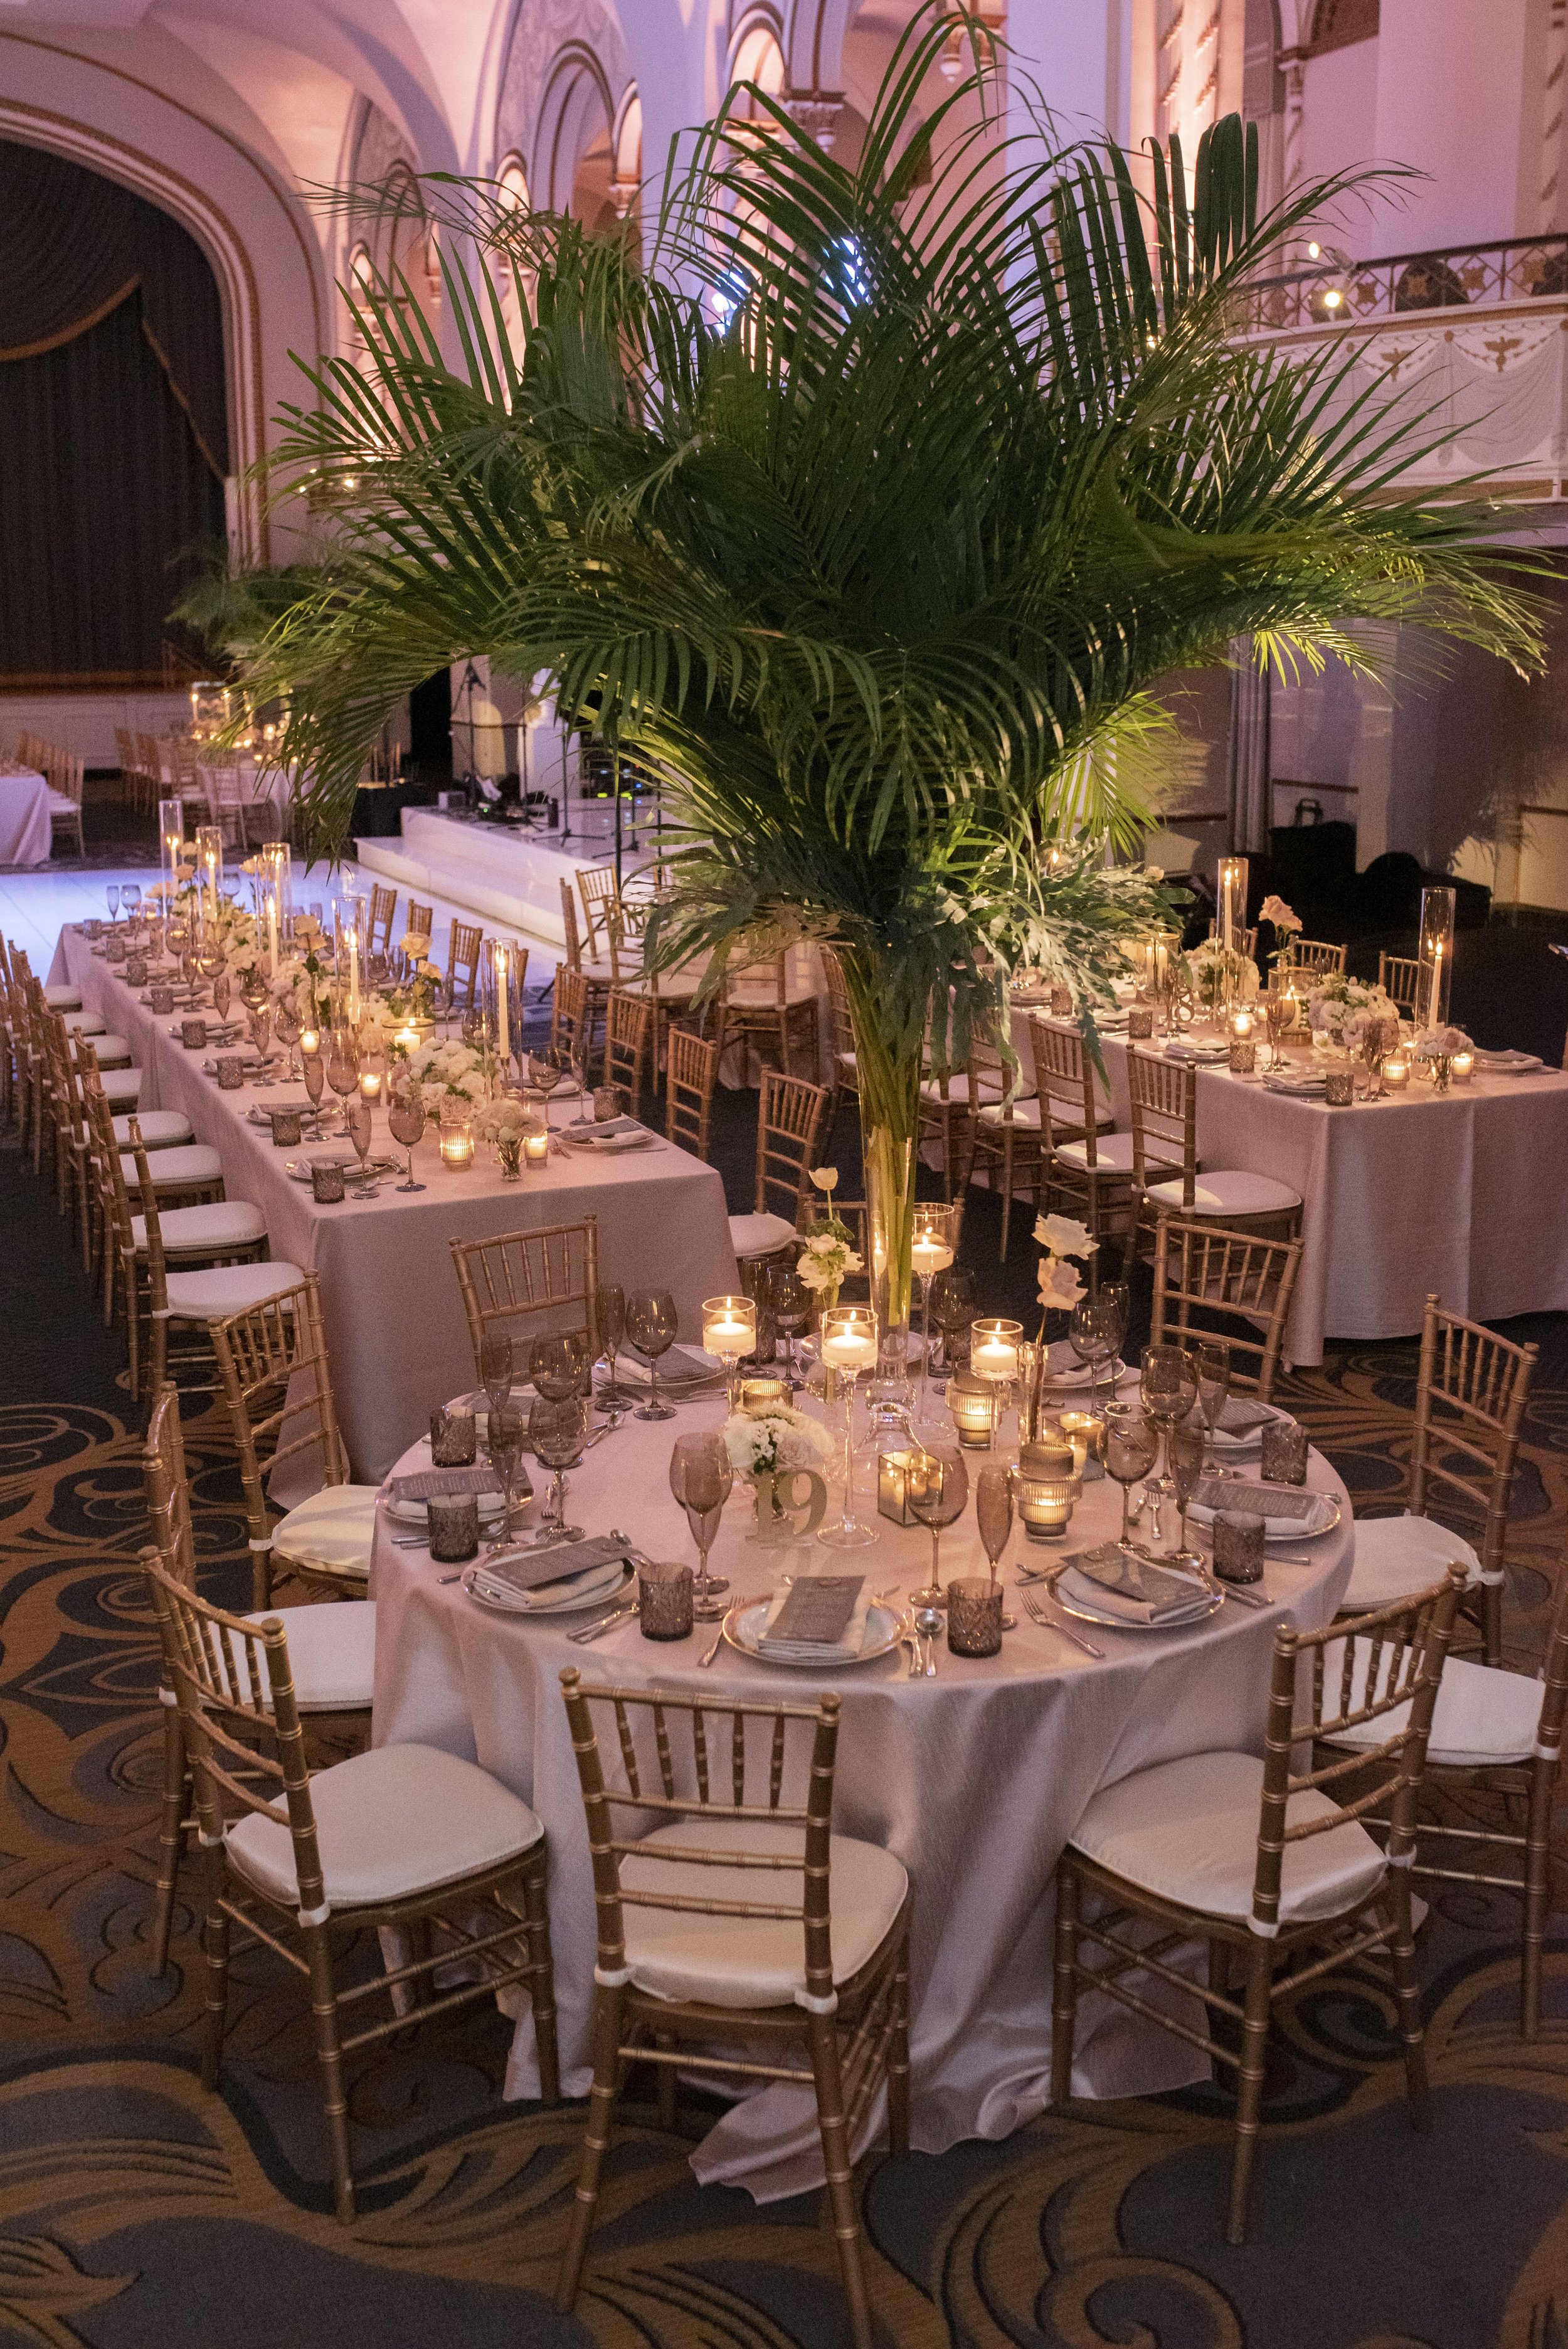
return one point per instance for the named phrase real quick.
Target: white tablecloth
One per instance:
(974, 1779)
(1459, 1192)
(25, 828)
(395, 1322)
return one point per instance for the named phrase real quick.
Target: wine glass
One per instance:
(112, 893)
(701, 1479)
(1211, 1361)
(505, 1447)
(131, 898)
(953, 1305)
(790, 1302)
(936, 1487)
(558, 1428)
(405, 1119)
(286, 1029)
(650, 1326)
(1185, 1445)
(1131, 1448)
(1169, 1389)
(359, 1123)
(495, 1356)
(313, 1068)
(610, 1320)
(222, 992)
(342, 1064)
(259, 1026)
(1098, 1328)
(559, 1364)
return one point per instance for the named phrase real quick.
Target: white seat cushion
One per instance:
(174, 1170)
(1396, 1556)
(225, 1289)
(751, 1961)
(228, 1223)
(63, 999)
(1025, 1115)
(1188, 1831)
(112, 1051)
(85, 1023)
(61, 804)
(332, 1531)
(1112, 1152)
(759, 1234)
(121, 1087)
(1228, 1193)
(396, 1821)
(1482, 1719)
(332, 1652)
(162, 1128)
(958, 1090)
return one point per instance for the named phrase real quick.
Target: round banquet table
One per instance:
(974, 1779)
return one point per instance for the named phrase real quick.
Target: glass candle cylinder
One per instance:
(1434, 959)
(1238, 1546)
(1084, 1431)
(610, 1102)
(762, 1394)
(501, 995)
(160, 999)
(1241, 1021)
(1230, 909)
(536, 1143)
(973, 1615)
(1284, 1454)
(230, 1072)
(1461, 1065)
(454, 1439)
(1339, 1088)
(193, 1035)
(931, 1238)
(1140, 1023)
(370, 1084)
(171, 840)
(1242, 1055)
(454, 1527)
(663, 1601)
(287, 1129)
(1048, 1487)
(326, 1184)
(973, 1403)
(1397, 1073)
(457, 1143)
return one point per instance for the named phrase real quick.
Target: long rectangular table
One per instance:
(26, 833)
(1454, 1193)
(395, 1322)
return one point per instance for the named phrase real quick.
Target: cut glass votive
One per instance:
(1238, 1546)
(454, 1527)
(973, 1615)
(665, 1600)
(1283, 1454)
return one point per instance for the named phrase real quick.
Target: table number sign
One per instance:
(791, 1505)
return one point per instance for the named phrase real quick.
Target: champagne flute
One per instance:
(1169, 1389)
(1131, 1448)
(342, 1065)
(1211, 1361)
(495, 1356)
(1186, 1445)
(222, 992)
(359, 1123)
(1277, 1010)
(259, 1023)
(936, 1487)
(994, 1518)
(610, 1320)
(286, 1029)
(650, 1326)
(791, 1304)
(701, 1478)
(405, 1119)
(505, 1447)
(112, 893)
(314, 1068)
(557, 1430)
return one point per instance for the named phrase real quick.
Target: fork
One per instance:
(1035, 1610)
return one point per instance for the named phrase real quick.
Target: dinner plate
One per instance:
(298, 1170)
(415, 1513)
(607, 1595)
(1237, 1444)
(1283, 1529)
(264, 1117)
(1070, 1604)
(1079, 1378)
(604, 1141)
(1508, 1064)
(885, 1627)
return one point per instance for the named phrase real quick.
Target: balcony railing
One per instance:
(1343, 294)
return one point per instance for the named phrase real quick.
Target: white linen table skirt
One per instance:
(26, 832)
(974, 1779)
(1457, 1193)
(396, 1328)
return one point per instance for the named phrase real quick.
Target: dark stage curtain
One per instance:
(113, 422)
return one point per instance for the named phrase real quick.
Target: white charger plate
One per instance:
(608, 1595)
(1284, 1529)
(1070, 1604)
(885, 1627)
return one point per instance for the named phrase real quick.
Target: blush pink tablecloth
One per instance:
(395, 1324)
(974, 1779)
(1457, 1193)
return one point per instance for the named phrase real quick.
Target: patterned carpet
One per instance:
(140, 2213)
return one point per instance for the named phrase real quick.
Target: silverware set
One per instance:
(1035, 1608)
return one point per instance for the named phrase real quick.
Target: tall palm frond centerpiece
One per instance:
(864, 510)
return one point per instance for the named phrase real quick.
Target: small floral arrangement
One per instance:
(1441, 1043)
(448, 1072)
(1062, 1238)
(506, 1119)
(829, 1256)
(1220, 974)
(774, 1439)
(1340, 1009)
(1276, 910)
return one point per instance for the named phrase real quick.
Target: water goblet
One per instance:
(701, 1478)
(358, 1121)
(504, 1444)
(610, 1321)
(1131, 1448)
(404, 1118)
(792, 1304)
(954, 1302)
(1169, 1389)
(1211, 1361)
(1098, 1326)
(936, 1487)
(343, 1065)
(651, 1325)
(559, 1364)
(131, 898)
(557, 1430)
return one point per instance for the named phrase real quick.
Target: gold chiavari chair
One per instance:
(844, 1071)
(1263, 1860)
(791, 1119)
(1471, 1389)
(1210, 1282)
(688, 1951)
(66, 786)
(1006, 1136)
(400, 1837)
(10, 1091)
(691, 1073)
(383, 913)
(333, 1652)
(421, 918)
(1399, 977)
(769, 1007)
(463, 964)
(1088, 1166)
(601, 895)
(530, 1284)
(133, 783)
(628, 1025)
(276, 1383)
(569, 1028)
(1314, 955)
(1164, 1100)
(599, 973)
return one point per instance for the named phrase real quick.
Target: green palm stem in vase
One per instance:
(889, 1064)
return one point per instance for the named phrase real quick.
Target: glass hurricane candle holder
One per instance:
(893, 1488)
(729, 1330)
(995, 1344)
(848, 1347)
(665, 1604)
(973, 1615)
(457, 1143)
(454, 1439)
(1435, 957)
(973, 1403)
(1048, 1488)
(1238, 1546)
(1084, 1432)
(1283, 1458)
(454, 1527)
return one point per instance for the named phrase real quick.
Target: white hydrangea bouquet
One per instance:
(829, 1256)
(774, 1439)
(1221, 975)
(448, 1073)
(1339, 1010)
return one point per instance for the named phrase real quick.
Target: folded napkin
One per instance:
(1288, 1082)
(1240, 1417)
(426, 1483)
(678, 1365)
(1132, 1588)
(821, 1619)
(617, 1125)
(1178, 1049)
(1509, 1063)
(1298, 1503)
(536, 1581)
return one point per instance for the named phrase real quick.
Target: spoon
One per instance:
(928, 1622)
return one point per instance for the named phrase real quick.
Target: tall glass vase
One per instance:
(890, 1201)
(888, 1063)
